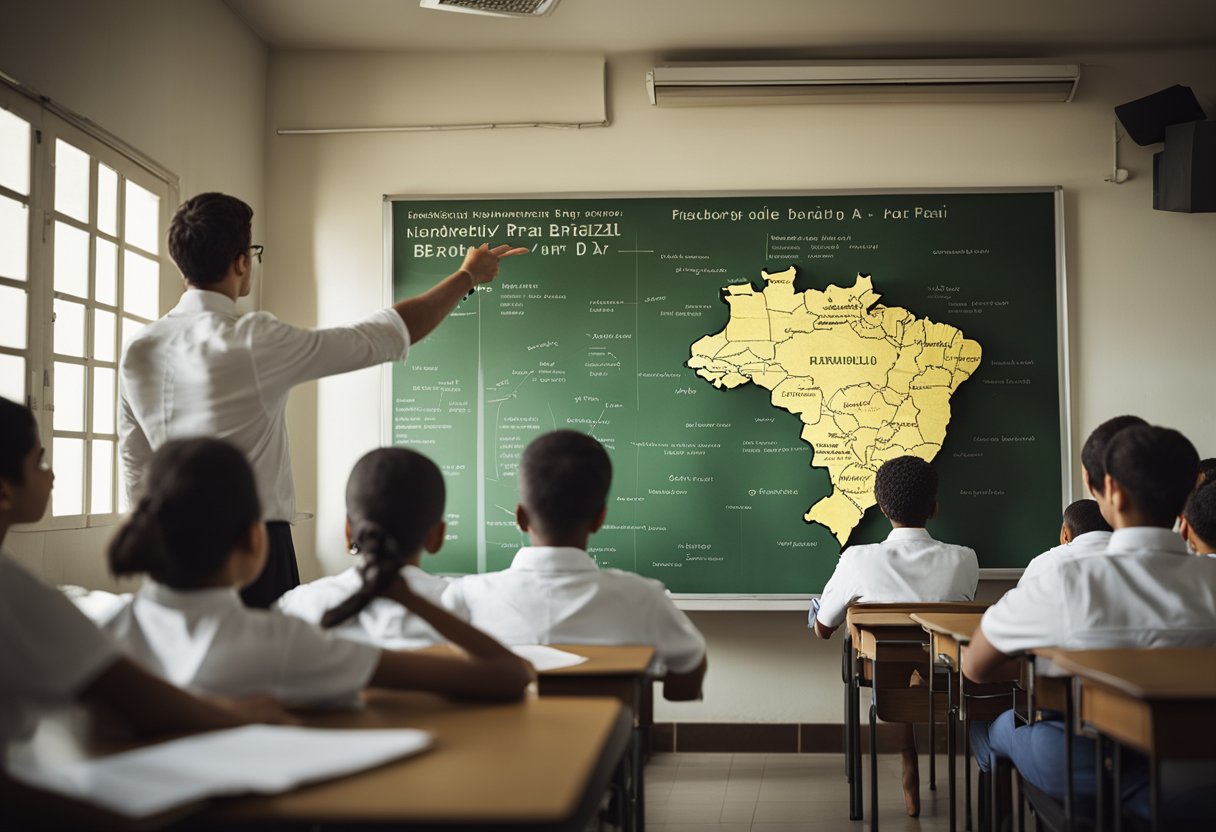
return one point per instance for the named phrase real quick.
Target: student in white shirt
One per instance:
(394, 513)
(909, 566)
(554, 592)
(1084, 530)
(198, 536)
(50, 654)
(206, 370)
(1142, 591)
(1199, 519)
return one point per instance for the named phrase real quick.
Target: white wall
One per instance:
(185, 83)
(1143, 283)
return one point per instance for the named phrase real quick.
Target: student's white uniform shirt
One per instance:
(206, 370)
(1144, 590)
(1082, 544)
(49, 652)
(207, 641)
(383, 622)
(556, 595)
(908, 566)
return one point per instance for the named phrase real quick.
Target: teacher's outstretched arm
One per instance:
(422, 313)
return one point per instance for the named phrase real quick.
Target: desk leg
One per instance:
(620, 785)
(966, 768)
(1069, 732)
(1100, 783)
(638, 759)
(855, 788)
(1117, 789)
(1154, 792)
(951, 734)
(932, 732)
(873, 761)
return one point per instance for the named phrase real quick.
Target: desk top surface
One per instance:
(1144, 673)
(863, 619)
(960, 626)
(605, 660)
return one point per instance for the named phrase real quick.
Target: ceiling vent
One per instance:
(833, 82)
(494, 8)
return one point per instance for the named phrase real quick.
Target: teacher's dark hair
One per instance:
(19, 434)
(207, 233)
(394, 498)
(200, 501)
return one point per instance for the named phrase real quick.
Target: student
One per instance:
(199, 538)
(1141, 591)
(1084, 529)
(909, 566)
(206, 370)
(52, 655)
(1207, 471)
(1199, 520)
(394, 513)
(553, 592)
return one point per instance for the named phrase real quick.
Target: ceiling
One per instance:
(746, 28)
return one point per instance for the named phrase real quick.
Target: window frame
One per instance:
(50, 123)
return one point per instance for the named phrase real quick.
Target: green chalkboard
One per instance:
(643, 320)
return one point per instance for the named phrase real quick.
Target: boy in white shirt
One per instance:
(909, 566)
(394, 513)
(553, 592)
(1199, 519)
(1084, 530)
(1142, 591)
(51, 654)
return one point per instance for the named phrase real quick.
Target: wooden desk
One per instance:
(1156, 701)
(948, 632)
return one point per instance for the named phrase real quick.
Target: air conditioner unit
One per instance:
(816, 82)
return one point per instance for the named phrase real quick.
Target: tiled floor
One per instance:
(779, 793)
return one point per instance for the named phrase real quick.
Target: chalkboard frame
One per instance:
(793, 601)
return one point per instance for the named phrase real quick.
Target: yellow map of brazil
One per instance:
(869, 382)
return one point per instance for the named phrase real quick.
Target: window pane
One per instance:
(140, 285)
(105, 278)
(68, 334)
(107, 200)
(12, 317)
(14, 238)
(71, 181)
(14, 152)
(101, 500)
(105, 325)
(71, 260)
(103, 400)
(143, 213)
(69, 396)
(67, 497)
(130, 328)
(12, 378)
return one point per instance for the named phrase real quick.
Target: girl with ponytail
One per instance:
(394, 513)
(198, 537)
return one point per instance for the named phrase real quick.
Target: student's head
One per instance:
(25, 478)
(394, 512)
(1149, 473)
(1081, 517)
(198, 524)
(209, 235)
(1094, 450)
(564, 477)
(906, 490)
(1199, 519)
(1207, 470)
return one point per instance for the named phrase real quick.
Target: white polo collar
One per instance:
(190, 599)
(1091, 538)
(553, 559)
(909, 534)
(1150, 538)
(195, 301)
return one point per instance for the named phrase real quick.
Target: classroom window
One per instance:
(81, 270)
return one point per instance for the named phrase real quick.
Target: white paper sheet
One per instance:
(264, 759)
(545, 658)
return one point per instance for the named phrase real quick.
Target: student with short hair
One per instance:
(1207, 471)
(207, 370)
(1199, 520)
(1084, 529)
(1141, 591)
(554, 592)
(199, 538)
(909, 566)
(52, 655)
(394, 513)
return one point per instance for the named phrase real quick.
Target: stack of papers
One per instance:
(545, 658)
(263, 759)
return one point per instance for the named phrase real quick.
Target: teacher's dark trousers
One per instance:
(280, 573)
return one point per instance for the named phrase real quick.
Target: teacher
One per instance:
(206, 370)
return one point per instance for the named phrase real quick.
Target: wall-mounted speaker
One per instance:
(1145, 119)
(1184, 174)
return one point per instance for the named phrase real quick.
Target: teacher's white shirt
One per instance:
(206, 370)
(909, 566)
